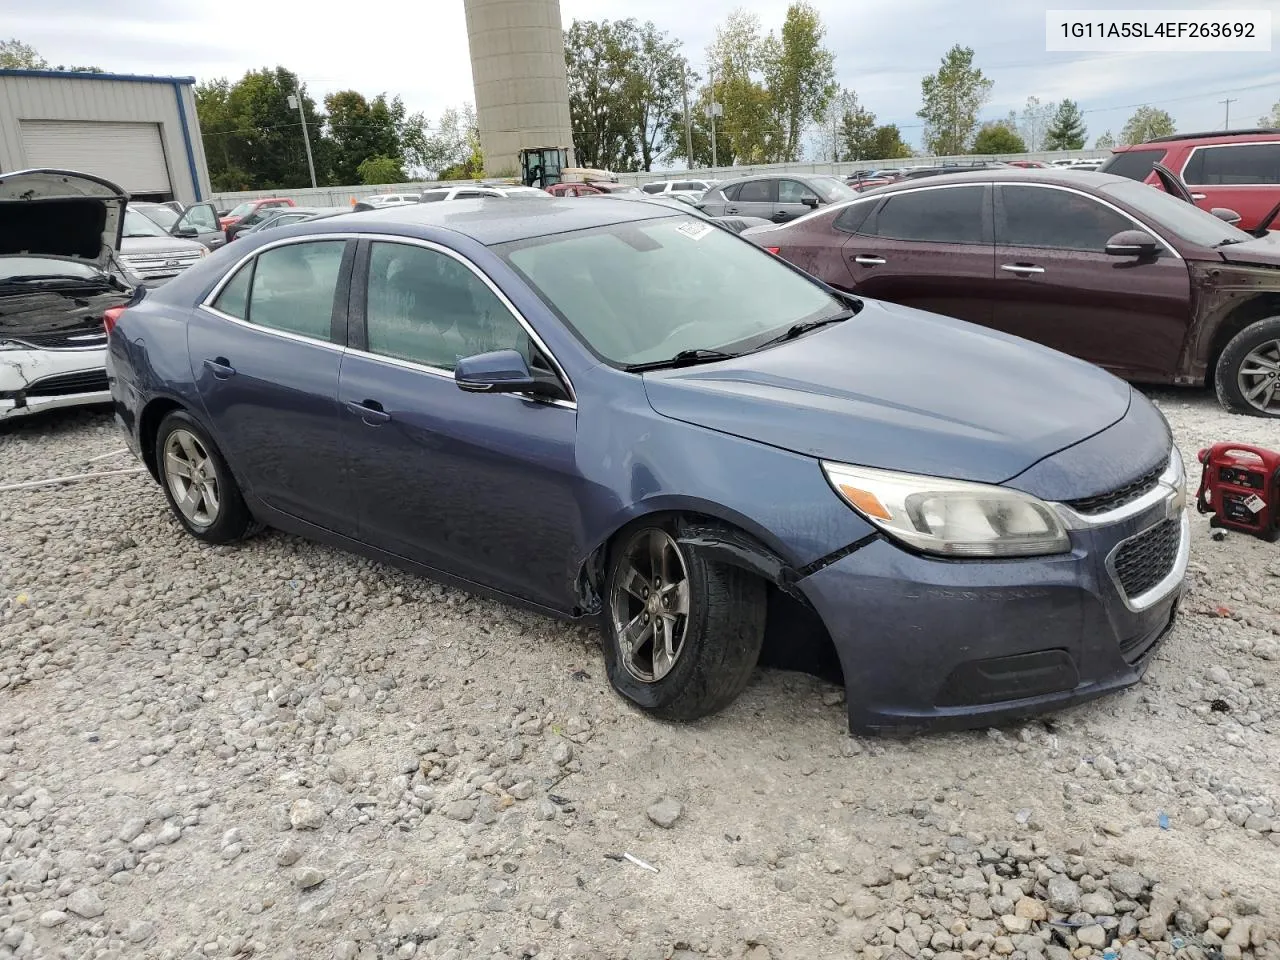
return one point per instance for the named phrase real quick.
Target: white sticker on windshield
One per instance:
(695, 231)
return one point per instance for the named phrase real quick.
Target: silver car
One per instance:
(775, 197)
(148, 250)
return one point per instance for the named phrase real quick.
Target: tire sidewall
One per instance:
(1226, 374)
(232, 518)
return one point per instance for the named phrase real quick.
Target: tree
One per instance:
(16, 55)
(359, 129)
(857, 131)
(596, 65)
(1066, 130)
(952, 98)
(799, 74)
(1273, 119)
(887, 144)
(453, 151)
(1036, 117)
(748, 131)
(1105, 141)
(378, 170)
(654, 91)
(1146, 122)
(998, 137)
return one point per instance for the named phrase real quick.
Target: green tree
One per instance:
(597, 65)
(998, 137)
(799, 74)
(748, 131)
(653, 91)
(379, 170)
(857, 130)
(1036, 117)
(454, 149)
(887, 144)
(1146, 122)
(16, 55)
(1272, 119)
(1067, 130)
(359, 129)
(1105, 141)
(952, 98)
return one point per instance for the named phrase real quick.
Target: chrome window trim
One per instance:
(1231, 186)
(1096, 199)
(1171, 581)
(207, 305)
(1171, 486)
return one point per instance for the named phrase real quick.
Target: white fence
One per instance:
(345, 196)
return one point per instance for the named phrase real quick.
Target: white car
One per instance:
(392, 199)
(471, 191)
(693, 188)
(59, 280)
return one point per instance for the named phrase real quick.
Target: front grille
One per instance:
(66, 340)
(1114, 499)
(161, 265)
(87, 381)
(1143, 561)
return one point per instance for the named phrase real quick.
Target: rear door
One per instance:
(1244, 177)
(754, 198)
(200, 222)
(1057, 286)
(265, 353)
(931, 248)
(792, 195)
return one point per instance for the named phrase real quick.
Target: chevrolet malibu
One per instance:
(617, 412)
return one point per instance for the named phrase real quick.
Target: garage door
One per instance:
(130, 154)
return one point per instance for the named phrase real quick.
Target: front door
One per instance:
(1057, 286)
(754, 198)
(928, 248)
(479, 486)
(794, 200)
(200, 222)
(266, 362)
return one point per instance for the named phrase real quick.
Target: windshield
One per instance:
(46, 267)
(644, 291)
(137, 225)
(161, 215)
(1179, 217)
(241, 210)
(831, 189)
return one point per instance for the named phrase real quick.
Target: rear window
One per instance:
(1245, 163)
(1134, 164)
(832, 189)
(653, 187)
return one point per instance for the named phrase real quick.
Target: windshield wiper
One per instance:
(800, 329)
(46, 279)
(1228, 242)
(685, 358)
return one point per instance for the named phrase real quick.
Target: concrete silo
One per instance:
(517, 65)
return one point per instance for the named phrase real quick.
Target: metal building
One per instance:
(140, 132)
(517, 65)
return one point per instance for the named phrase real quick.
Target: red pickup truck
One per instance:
(238, 213)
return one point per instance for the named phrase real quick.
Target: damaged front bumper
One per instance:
(33, 380)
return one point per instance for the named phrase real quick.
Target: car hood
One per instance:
(901, 389)
(59, 213)
(1263, 251)
(156, 246)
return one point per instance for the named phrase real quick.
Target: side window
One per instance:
(755, 191)
(1056, 219)
(731, 192)
(949, 215)
(429, 308)
(234, 298)
(1243, 164)
(793, 191)
(852, 216)
(653, 187)
(293, 288)
(468, 194)
(432, 197)
(201, 217)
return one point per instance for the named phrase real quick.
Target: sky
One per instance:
(881, 50)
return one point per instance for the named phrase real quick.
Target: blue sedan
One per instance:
(622, 413)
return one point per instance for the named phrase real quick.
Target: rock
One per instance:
(1152, 928)
(1105, 766)
(1003, 946)
(1099, 904)
(1246, 906)
(979, 908)
(462, 810)
(140, 931)
(52, 918)
(306, 815)
(1092, 936)
(169, 834)
(562, 753)
(522, 790)
(902, 869)
(1015, 924)
(863, 905)
(131, 828)
(907, 943)
(1064, 894)
(665, 812)
(85, 903)
(1031, 909)
(1128, 883)
(876, 877)
(308, 877)
(289, 853)
(1220, 926)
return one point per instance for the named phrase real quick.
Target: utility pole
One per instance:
(688, 122)
(296, 100)
(712, 109)
(1227, 103)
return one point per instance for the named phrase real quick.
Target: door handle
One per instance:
(869, 261)
(730, 209)
(1022, 269)
(1197, 196)
(370, 411)
(220, 367)
(780, 217)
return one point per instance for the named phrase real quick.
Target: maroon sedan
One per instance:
(1110, 270)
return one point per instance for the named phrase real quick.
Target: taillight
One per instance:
(110, 317)
(773, 250)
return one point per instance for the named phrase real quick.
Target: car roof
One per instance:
(1264, 134)
(493, 220)
(1051, 175)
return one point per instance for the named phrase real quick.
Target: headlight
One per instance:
(950, 518)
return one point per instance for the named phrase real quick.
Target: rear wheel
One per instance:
(682, 634)
(197, 482)
(1247, 376)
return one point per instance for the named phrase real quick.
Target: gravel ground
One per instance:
(281, 751)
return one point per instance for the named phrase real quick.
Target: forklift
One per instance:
(542, 166)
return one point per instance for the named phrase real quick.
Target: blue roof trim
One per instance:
(186, 139)
(81, 75)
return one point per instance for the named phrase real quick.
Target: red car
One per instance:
(252, 206)
(1130, 278)
(589, 189)
(1029, 164)
(1239, 170)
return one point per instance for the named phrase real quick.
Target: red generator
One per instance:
(1240, 486)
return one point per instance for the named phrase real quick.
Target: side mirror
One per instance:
(180, 231)
(1132, 243)
(505, 371)
(1227, 214)
(810, 202)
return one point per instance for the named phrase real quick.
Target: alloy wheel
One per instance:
(1259, 377)
(192, 478)
(650, 605)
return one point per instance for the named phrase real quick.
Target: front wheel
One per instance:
(682, 634)
(197, 482)
(1247, 376)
